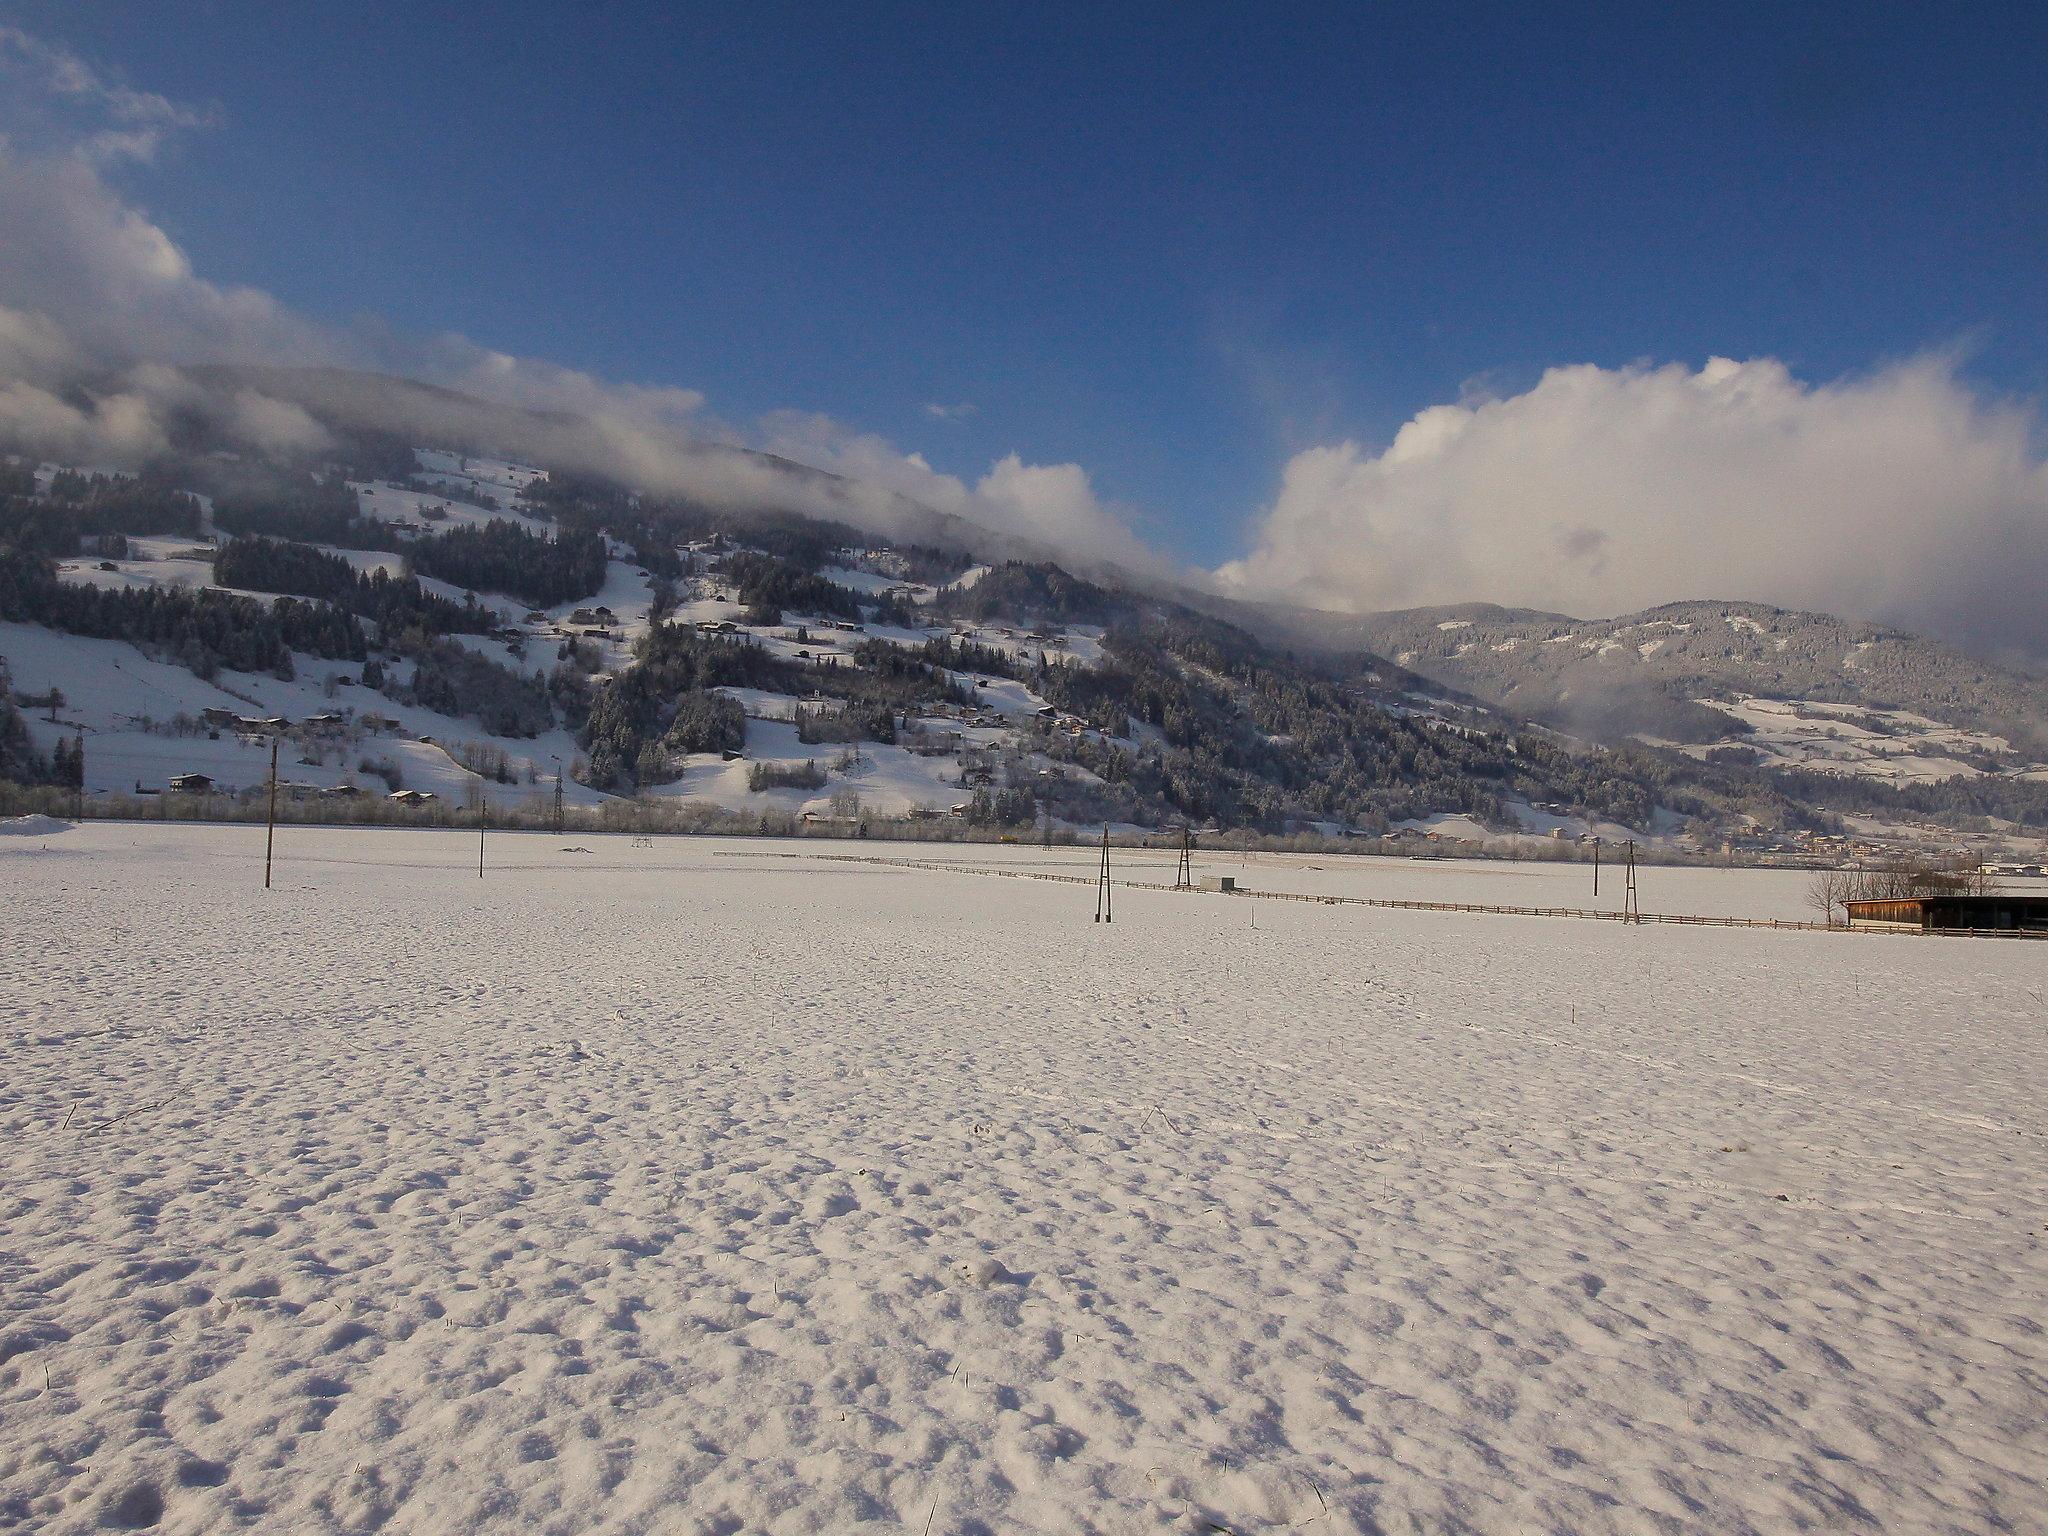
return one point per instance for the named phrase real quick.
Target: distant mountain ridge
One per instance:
(1641, 673)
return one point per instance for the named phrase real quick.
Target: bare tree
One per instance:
(1828, 889)
(1898, 880)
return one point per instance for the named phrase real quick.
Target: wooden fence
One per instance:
(1589, 913)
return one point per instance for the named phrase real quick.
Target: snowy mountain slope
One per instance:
(127, 708)
(734, 658)
(998, 692)
(1683, 672)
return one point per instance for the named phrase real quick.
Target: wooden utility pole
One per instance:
(78, 784)
(270, 837)
(483, 816)
(1630, 907)
(1596, 869)
(558, 797)
(1184, 875)
(1102, 896)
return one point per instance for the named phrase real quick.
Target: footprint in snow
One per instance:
(980, 1272)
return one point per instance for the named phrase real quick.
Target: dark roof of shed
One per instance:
(1954, 899)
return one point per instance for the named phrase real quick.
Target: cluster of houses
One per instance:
(1053, 720)
(595, 623)
(291, 789)
(254, 728)
(1048, 637)
(246, 725)
(1419, 837)
(327, 724)
(1802, 848)
(967, 714)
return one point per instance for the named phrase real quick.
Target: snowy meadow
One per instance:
(721, 1186)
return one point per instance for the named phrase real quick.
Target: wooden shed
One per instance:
(1996, 913)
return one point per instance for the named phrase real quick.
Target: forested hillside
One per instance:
(757, 656)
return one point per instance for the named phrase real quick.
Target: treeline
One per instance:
(647, 717)
(762, 776)
(88, 511)
(503, 556)
(1964, 798)
(1256, 738)
(447, 488)
(125, 504)
(398, 605)
(970, 656)
(203, 630)
(20, 763)
(303, 508)
(631, 736)
(769, 584)
(452, 680)
(1016, 590)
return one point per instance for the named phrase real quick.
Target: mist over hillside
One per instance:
(1663, 672)
(711, 625)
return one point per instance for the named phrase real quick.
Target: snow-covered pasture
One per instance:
(694, 1187)
(110, 688)
(152, 562)
(1895, 745)
(890, 781)
(383, 502)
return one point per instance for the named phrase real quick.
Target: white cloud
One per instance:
(1901, 496)
(275, 425)
(103, 310)
(939, 411)
(1054, 505)
(119, 427)
(77, 254)
(119, 123)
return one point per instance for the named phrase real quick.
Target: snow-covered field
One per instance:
(698, 1187)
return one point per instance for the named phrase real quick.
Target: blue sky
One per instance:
(1175, 244)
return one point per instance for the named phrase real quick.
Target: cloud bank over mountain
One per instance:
(1901, 496)
(102, 316)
